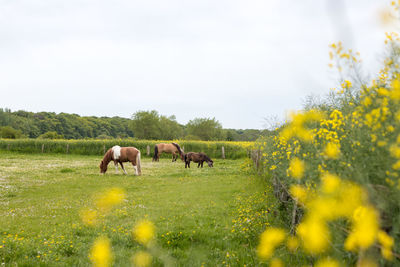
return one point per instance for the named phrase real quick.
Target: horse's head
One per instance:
(210, 163)
(103, 167)
(183, 156)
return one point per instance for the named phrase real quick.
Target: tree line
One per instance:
(142, 125)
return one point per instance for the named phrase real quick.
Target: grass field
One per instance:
(209, 216)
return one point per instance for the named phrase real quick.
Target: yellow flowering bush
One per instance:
(339, 161)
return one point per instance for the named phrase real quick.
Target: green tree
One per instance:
(51, 135)
(9, 132)
(146, 125)
(170, 128)
(205, 128)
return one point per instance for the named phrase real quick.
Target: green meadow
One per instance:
(202, 216)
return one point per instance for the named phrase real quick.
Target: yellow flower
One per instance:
(387, 243)
(100, 254)
(396, 166)
(383, 92)
(395, 151)
(327, 262)
(332, 151)
(144, 232)
(330, 183)
(366, 101)
(315, 235)
(269, 240)
(299, 193)
(111, 198)
(142, 259)
(296, 168)
(275, 262)
(364, 229)
(395, 93)
(346, 84)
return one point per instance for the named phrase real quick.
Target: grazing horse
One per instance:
(198, 158)
(172, 148)
(122, 154)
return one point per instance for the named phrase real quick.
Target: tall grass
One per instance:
(233, 150)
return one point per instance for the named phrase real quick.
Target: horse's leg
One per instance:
(116, 166)
(136, 171)
(202, 164)
(123, 167)
(198, 165)
(173, 156)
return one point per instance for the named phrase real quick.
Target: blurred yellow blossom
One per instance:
(296, 168)
(327, 262)
(100, 254)
(364, 229)
(314, 234)
(387, 243)
(109, 199)
(298, 192)
(330, 183)
(269, 240)
(332, 151)
(142, 259)
(275, 262)
(143, 232)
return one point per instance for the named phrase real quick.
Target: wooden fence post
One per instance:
(104, 149)
(67, 148)
(223, 152)
(8, 146)
(256, 157)
(42, 148)
(148, 150)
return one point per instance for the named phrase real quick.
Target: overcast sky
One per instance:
(238, 61)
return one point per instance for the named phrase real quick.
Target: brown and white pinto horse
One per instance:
(172, 148)
(198, 158)
(122, 154)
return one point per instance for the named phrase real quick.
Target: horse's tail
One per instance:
(155, 153)
(138, 163)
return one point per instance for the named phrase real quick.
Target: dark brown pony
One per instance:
(122, 154)
(198, 158)
(172, 148)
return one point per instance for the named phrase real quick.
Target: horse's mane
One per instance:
(178, 147)
(207, 158)
(108, 156)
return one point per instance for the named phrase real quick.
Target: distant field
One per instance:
(209, 216)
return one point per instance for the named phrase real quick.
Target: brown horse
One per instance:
(122, 154)
(198, 158)
(172, 148)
